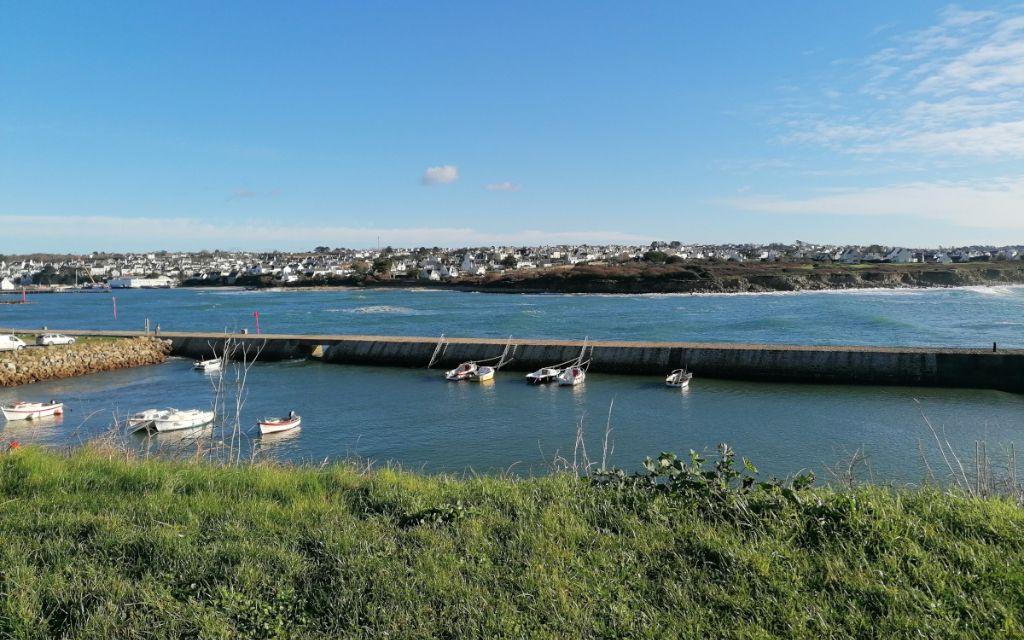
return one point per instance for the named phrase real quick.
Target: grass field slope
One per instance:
(96, 546)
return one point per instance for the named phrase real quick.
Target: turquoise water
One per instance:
(414, 418)
(933, 317)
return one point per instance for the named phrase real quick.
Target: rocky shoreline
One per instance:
(641, 278)
(49, 363)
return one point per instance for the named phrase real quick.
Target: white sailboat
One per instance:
(483, 374)
(678, 379)
(462, 372)
(572, 376)
(543, 375)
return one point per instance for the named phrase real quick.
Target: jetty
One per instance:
(982, 368)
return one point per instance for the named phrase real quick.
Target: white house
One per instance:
(900, 256)
(6, 284)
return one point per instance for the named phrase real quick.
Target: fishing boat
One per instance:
(175, 420)
(462, 372)
(572, 376)
(483, 374)
(543, 375)
(144, 419)
(32, 410)
(276, 425)
(207, 366)
(678, 379)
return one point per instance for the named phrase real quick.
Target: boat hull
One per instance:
(571, 378)
(279, 426)
(178, 423)
(31, 413)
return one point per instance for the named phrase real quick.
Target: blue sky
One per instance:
(289, 125)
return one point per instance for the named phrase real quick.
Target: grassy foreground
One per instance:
(94, 547)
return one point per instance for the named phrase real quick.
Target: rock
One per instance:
(67, 361)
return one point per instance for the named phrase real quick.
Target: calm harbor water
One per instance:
(414, 418)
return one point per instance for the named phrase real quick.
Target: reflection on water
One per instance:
(415, 418)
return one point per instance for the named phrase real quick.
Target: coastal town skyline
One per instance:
(130, 128)
(323, 264)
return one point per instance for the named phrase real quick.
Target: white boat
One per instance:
(483, 374)
(678, 379)
(144, 419)
(543, 376)
(207, 366)
(175, 420)
(572, 376)
(32, 410)
(463, 372)
(276, 425)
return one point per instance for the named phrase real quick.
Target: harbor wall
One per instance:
(248, 348)
(930, 367)
(771, 363)
(66, 361)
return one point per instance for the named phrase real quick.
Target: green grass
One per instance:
(94, 547)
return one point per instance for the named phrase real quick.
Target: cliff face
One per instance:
(47, 363)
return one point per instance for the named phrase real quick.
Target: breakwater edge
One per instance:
(34, 364)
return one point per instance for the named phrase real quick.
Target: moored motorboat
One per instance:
(572, 376)
(32, 410)
(483, 374)
(276, 425)
(144, 419)
(175, 420)
(462, 372)
(543, 376)
(678, 379)
(207, 366)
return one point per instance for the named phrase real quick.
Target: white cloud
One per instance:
(88, 233)
(955, 88)
(999, 204)
(445, 174)
(502, 186)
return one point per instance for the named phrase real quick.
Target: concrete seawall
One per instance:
(965, 368)
(774, 363)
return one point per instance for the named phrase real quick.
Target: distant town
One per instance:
(325, 265)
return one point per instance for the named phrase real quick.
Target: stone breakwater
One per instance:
(47, 363)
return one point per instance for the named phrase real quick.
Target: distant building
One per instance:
(161, 282)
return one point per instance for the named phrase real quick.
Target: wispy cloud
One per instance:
(995, 204)
(954, 88)
(86, 233)
(502, 186)
(444, 174)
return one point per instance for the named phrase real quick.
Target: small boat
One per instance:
(144, 419)
(678, 379)
(572, 376)
(543, 376)
(463, 372)
(175, 420)
(276, 425)
(207, 366)
(32, 410)
(483, 374)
